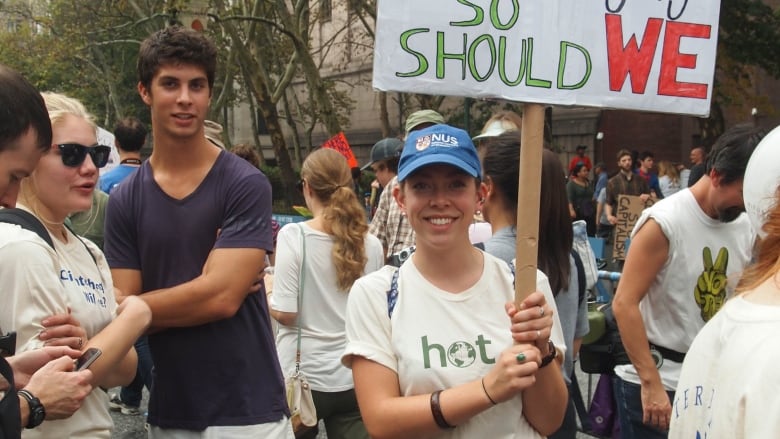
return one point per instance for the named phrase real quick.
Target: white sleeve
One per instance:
(543, 285)
(31, 292)
(368, 327)
(287, 269)
(375, 254)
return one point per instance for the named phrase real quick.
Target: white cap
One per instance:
(496, 128)
(762, 176)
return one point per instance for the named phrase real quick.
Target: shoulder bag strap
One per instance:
(301, 278)
(83, 243)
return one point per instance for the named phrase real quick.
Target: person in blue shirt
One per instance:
(601, 175)
(645, 170)
(130, 136)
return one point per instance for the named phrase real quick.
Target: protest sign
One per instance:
(340, 144)
(640, 55)
(629, 208)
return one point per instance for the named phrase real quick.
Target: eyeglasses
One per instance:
(299, 185)
(74, 154)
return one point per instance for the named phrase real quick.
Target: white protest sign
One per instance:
(653, 55)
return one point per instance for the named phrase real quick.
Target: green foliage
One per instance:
(750, 34)
(86, 50)
(281, 205)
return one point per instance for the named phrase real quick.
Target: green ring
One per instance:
(520, 357)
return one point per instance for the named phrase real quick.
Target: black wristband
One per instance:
(436, 411)
(552, 353)
(37, 412)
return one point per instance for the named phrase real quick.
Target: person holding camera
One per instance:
(330, 252)
(436, 346)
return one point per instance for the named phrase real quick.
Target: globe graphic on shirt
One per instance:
(461, 354)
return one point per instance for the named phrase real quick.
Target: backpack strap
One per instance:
(580, 274)
(27, 221)
(392, 294)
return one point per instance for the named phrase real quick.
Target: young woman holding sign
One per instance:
(432, 344)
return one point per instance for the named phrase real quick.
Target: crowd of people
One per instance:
(405, 324)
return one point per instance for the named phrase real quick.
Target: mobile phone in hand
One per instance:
(87, 358)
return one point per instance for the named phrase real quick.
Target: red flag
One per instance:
(340, 144)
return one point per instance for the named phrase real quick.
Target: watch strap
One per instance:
(37, 412)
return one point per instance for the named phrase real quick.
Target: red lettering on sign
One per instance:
(630, 58)
(672, 59)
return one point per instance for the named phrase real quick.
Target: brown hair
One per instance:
(176, 45)
(327, 174)
(248, 153)
(501, 163)
(624, 152)
(21, 108)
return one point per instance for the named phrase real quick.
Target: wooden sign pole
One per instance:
(528, 196)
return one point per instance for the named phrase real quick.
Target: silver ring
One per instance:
(81, 342)
(538, 334)
(541, 311)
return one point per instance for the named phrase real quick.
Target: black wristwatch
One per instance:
(37, 412)
(551, 355)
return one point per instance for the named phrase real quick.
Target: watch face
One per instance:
(37, 412)
(37, 416)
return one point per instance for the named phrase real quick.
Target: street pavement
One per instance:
(132, 427)
(127, 426)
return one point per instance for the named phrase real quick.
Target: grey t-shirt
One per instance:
(573, 315)
(502, 244)
(602, 199)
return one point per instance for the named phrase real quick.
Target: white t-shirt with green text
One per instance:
(438, 340)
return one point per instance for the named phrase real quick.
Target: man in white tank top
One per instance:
(684, 250)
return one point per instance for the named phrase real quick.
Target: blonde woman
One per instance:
(668, 178)
(63, 294)
(338, 250)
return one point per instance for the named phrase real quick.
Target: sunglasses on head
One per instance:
(74, 154)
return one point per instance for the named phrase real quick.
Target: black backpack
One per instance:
(602, 355)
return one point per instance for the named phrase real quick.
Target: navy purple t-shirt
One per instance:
(222, 373)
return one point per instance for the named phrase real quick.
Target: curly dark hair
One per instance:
(176, 45)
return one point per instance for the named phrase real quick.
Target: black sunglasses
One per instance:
(73, 154)
(299, 185)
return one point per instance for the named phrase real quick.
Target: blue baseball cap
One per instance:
(439, 144)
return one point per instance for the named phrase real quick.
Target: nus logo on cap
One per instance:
(428, 140)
